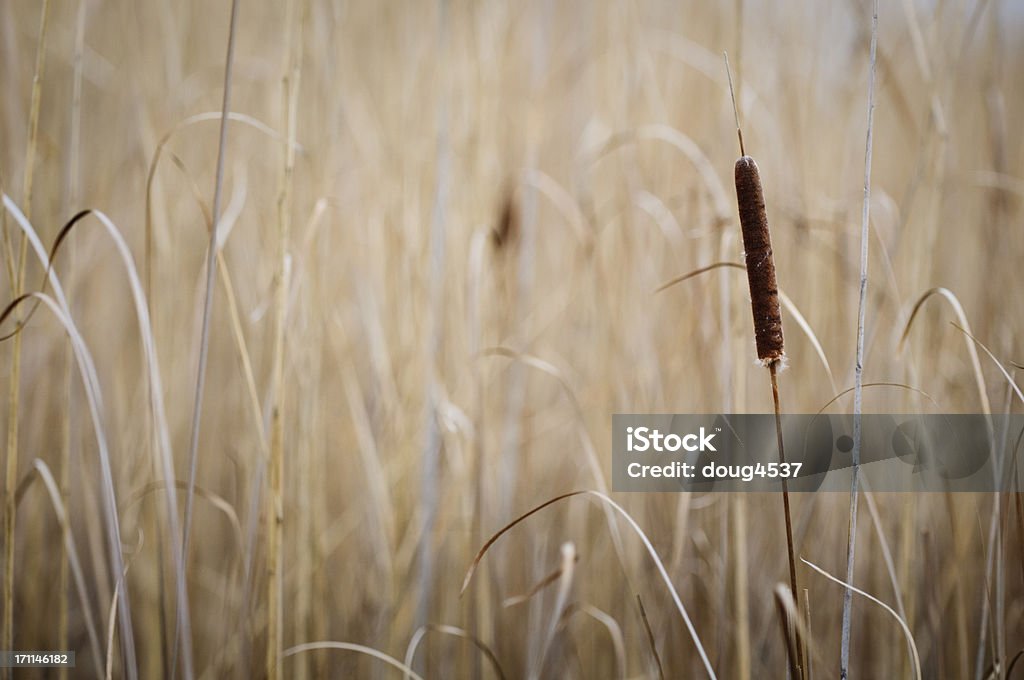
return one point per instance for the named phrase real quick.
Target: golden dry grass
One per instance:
(598, 141)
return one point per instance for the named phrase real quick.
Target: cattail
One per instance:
(506, 231)
(757, 244)
(764, 303)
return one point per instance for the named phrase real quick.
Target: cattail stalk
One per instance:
(767, 313)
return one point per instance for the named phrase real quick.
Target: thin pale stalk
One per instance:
(429, 479)
(844, 655)
(60, 510)
(71, 196)
(275, 511)
(204, 338)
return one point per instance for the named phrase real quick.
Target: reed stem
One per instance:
(851, 546)
(14, 386)
(790, 546)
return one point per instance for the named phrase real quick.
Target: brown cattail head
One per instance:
(757, 244)
(506, 231)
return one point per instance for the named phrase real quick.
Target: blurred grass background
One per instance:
(484, 198)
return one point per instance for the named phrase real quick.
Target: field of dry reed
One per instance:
(442, 227)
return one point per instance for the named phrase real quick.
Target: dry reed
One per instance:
(72, 189)
(851, 547)
(768, 337)
(581, 173)
(17, 277)
(275, 479)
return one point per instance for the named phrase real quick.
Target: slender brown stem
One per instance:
(773, 368)
(650, 637)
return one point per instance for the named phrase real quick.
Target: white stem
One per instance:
(844, 658)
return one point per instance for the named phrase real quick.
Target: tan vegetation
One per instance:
(442, 233)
